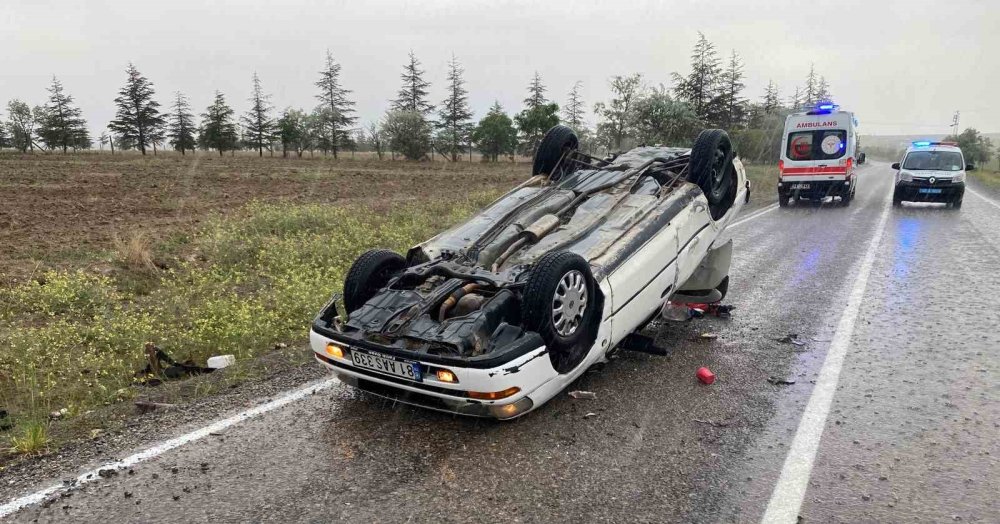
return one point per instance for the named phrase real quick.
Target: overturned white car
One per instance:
(497, 315)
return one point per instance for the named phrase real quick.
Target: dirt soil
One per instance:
(62, 210)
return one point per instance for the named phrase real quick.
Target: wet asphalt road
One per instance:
(911, 436)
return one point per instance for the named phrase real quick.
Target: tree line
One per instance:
(712, 93)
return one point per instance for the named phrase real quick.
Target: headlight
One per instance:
(905, 176)
(959, 178)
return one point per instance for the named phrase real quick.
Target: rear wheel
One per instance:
(369, 273)
(782, 199)
(560, 305)
(712, 169)
(557, 142)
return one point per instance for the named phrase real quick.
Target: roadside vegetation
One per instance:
(73, 339)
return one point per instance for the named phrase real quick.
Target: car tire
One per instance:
(782, 200)
(897, 201)
(957, 203)
(711, 168)
(551, 306)
(845, 200)
(556, 142)
(369, 273)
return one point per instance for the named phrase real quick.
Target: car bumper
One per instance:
(924, 192)
(529, 373)
(814, 189)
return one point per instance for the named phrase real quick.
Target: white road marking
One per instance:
(90, 476)
(764, 211)
(786, 500)
(988, 200)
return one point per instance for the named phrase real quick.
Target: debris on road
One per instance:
(221, 361)
(705, 375)
(708, 336)
(780, 381)
(586, 395)
(590, 414)
(716, 309)
(791, 338)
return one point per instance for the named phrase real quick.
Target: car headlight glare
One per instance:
(905, 177)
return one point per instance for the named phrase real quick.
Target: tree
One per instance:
(138, 118)
(537, 116)
(336, 116)
(180, 128)
(257, 121)
(700, 88)
(454, 119)
(976, 148)
(823, 90)
(574, 109)
(811, 88)
(408, 133)
(4, 141)
(771, 101)
(293, 131)
(795, 101)
(413, 95)
(218, 130)
(60, 124)
(21, 123)
(659, 119)
(376, 138)
(618, 116)
(732, 105)
(495, 134)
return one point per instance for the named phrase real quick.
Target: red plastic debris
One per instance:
(706, 376)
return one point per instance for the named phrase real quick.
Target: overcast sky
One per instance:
(904, 67)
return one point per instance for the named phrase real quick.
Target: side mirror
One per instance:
(895, 165)
(970, 167)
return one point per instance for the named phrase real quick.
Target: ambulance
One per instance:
(818, 155)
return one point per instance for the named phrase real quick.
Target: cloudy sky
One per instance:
(902, 66)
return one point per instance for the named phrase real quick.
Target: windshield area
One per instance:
(933, 161)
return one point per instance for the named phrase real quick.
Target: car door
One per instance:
(643, 280)
(695, 233)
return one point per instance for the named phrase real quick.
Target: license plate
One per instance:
(387, 365)
(800, 186)
(928, 190)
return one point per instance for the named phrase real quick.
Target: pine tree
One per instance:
(454, 119)
(732, 106)
(61, 125)
(810, 92)
(180, 129)
(701, 86)
(771, 102)
(218, 130)
(823, 90)
(795, 101)
(138, 119)
(574, 110)
(335, 114)
(257, 121)
(536, 93)
(413, 95)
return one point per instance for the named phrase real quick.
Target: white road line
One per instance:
(90, 476)
(766, 210)
(988, 200)
(786, 500)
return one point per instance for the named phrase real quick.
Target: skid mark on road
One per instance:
(791, 487)
(163, 447)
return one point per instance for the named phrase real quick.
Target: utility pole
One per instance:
(954, 125)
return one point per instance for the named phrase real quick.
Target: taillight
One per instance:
(781, 167)
(850, 162)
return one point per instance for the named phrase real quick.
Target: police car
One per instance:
(931, 172)
(819, 153)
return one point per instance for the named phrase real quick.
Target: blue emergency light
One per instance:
(922, 143)
(823, 108)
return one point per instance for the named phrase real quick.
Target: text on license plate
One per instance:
(800, 186)
(928, 190)
(375, 362)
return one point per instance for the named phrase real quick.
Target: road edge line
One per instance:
(756, 214)
(987, 199)
(86, 477)
(789, 492)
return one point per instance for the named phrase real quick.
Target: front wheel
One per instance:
(560, 304)
(369, 273)
(557, 141)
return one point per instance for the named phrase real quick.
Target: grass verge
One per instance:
(73, 340)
